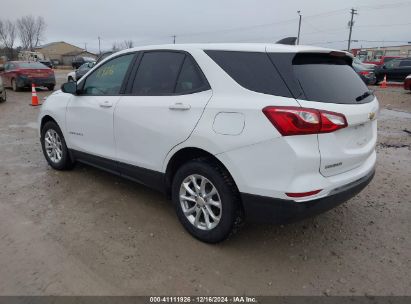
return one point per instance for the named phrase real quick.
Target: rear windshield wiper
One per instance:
(365, 95)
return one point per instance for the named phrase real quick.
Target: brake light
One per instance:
(302, 121)
(365, 73)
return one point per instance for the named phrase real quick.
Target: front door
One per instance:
(90, 113)
(163, 106)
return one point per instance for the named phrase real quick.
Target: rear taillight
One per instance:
(301, 121)
(365, 73)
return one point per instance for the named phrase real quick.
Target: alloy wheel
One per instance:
(53, 146)
(200, 202)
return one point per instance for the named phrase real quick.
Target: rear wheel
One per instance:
(206, 200)
(54, 147)
(14, 85)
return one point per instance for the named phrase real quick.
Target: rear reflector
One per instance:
(365, 73)
(302, 121)
(303, 194)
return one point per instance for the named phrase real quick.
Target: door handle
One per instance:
(180, 107)
(106, 104)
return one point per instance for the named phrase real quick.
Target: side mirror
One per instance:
(69, 87)
(384, 66)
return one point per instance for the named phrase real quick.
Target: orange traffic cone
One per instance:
(384, 83)
(34, 98)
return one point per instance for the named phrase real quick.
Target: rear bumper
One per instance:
(27, 82)
(280, 211)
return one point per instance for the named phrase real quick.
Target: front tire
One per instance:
(54, 147)
(206, 200)
(3, 96)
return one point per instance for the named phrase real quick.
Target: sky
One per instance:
(324, 22)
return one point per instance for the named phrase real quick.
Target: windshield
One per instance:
(31, 65)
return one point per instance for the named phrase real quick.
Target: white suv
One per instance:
(228, 131)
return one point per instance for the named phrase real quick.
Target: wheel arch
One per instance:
(185, 155)
(45, 119)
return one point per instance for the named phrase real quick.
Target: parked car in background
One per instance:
(395, 70)
(46, 62)
(21, 74)
(365, 71)
(80, 72)
(266, 132)
(3, 94)
(80, 60)
(383, 60)
(367, 65)
(407, 83)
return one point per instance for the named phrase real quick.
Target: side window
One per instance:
(108, 78)
(190, 78)
(6, 67)
(157, 73)
(405, 63)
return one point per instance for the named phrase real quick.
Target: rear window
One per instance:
(31, 65)
(252, 70)
(326, 78)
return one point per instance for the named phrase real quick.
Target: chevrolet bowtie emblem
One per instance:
(371, 116)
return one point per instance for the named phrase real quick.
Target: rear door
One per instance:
(166, 98)
(327, 81)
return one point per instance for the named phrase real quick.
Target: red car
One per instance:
(407, 83)
(383, 60)
(21, 74)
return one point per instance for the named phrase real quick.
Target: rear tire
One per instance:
(14, 85)
(54, 147)
(214, 224)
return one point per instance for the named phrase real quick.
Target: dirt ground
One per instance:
(86, 232)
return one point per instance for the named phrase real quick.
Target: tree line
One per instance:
(29, 30)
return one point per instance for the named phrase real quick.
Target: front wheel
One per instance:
(54, 147)
(207, 201)
(3, 96)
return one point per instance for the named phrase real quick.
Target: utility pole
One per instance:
(99, 45)
(351, 24)
(174, 39)
(299, 27)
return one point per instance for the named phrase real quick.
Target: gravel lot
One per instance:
(86, 232)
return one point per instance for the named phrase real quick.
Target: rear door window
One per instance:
(191, 79)
(252, 70)
(157, 73)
